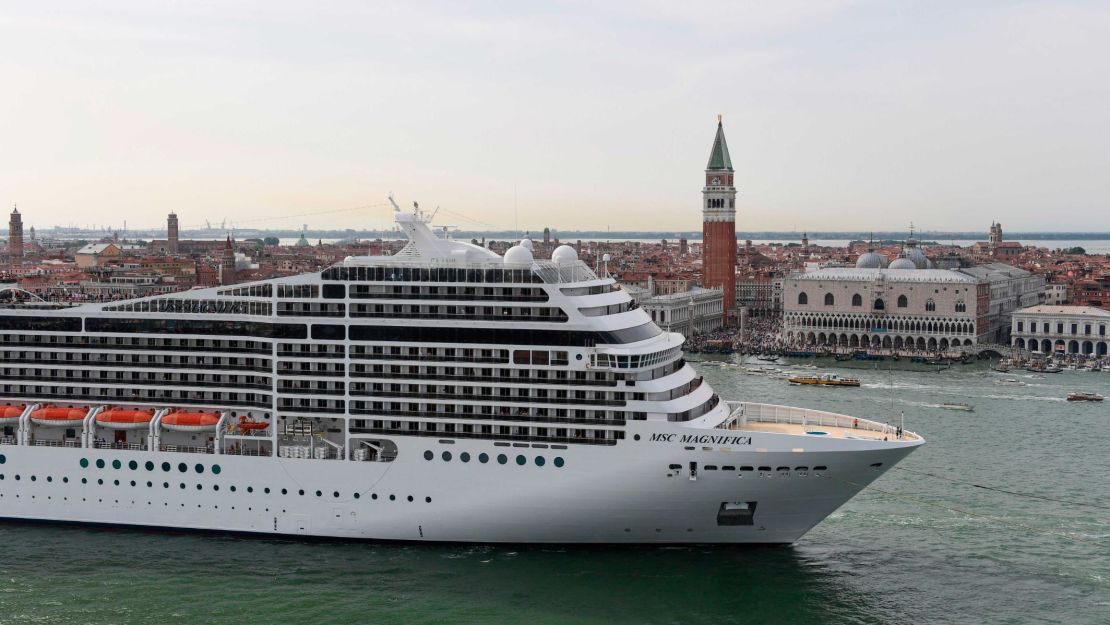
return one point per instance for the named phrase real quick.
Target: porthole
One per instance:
(149, 465)
(99, 481)
(319, 494)
(301, 492)
(447, 456)
(132, 465)
(250, 489)
(502, 459)
(182, 485)
(49, 479)
(521, 460)
(427, 500)
(84, 463)
(100, 463)
(285, 492)
(132, 483)
(636, 437)
(116, 464)
(410, 498)
(34, 479)
(150, 484)
(199, 487)
(428, 455)
(357, 495)
(391, 497)
(374, 496)
(216, 469)
(165, 484)
(558, 461)
(65, 480)
(165, 466)
(84, 480)
(335, 494)
(267, 490)
(539, 461)
(3, 458)
(233, 489)
(483, 457)
(464, 456)
(184, 468)
(199, 468)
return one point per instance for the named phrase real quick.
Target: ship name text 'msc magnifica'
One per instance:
(444, 393)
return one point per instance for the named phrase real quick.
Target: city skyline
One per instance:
(847, 116)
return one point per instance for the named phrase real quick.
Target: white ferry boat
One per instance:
(441, 394)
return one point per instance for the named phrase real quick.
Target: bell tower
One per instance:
(719, 222)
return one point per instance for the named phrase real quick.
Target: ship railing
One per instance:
(247, 452)
(186, 449)
(42, 443)
(742, 413)
(7, 440)
(127, 446)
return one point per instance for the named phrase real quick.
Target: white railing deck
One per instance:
(743, 413)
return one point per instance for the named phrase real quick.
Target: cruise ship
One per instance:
(443, 393)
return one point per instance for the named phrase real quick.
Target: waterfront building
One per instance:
(696, 311)
(925, 309)
(719, 222)
(994, 248)
(757, 294)
(1062, 329)
(1010, 289)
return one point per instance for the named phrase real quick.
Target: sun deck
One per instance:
(751, 417)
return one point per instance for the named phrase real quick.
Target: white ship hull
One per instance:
(625, 494)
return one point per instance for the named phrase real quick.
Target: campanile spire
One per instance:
(719, 221)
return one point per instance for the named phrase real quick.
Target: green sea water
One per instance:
(912, 549)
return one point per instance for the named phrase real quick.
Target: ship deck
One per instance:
(750, 417)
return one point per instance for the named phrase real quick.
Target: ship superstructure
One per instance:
(444, 393)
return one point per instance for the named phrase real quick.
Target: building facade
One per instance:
(1062, 330)
(1010, 289)
(905, 309)
(719, 222)
(696, 311)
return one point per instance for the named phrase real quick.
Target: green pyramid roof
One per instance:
(718, 156)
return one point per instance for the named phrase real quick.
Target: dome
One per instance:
(526, 243)
(902, 263)
(917, 257)
(518, 255)
(871, 260)
(564, 255)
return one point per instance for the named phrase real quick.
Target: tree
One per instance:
(1075, 250)
(271, 240)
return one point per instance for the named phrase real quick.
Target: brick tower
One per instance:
(171, 233)
(15, 240)
(719, 223)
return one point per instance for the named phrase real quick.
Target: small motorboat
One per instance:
(955, 405)
(57, 416)
(1010, 382)
(124, 419)
(11, 414)
(1085, 397)
(182, 421)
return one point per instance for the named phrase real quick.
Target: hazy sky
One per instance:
(840, 115)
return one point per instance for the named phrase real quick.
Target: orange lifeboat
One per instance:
(191, 421)
(11, 414)
(124, 419)
(58, 416)
(249, 425)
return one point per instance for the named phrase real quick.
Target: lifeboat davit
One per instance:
(191, 421)
(57, 416)
(248, 425)
(11, 414)
(124, 419)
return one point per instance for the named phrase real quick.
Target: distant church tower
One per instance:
(719, 222)
(995, 236)
(171, 233)
(227, 263)
(15, 239)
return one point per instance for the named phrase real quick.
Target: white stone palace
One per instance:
(1062, 329)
